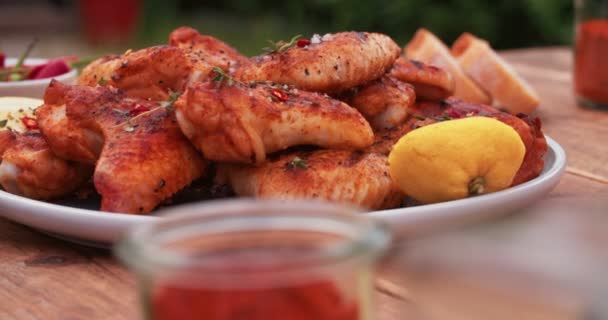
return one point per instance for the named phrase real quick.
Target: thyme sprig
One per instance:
(221, 76)
(280, 46)
(169, 104)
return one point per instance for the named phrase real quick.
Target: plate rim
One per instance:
(546, 181)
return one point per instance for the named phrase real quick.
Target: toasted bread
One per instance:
(427, 48)
(494, 75)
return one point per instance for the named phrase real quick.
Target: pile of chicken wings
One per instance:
(311, 118)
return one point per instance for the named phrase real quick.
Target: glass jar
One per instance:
(591, 53)
(246, 259)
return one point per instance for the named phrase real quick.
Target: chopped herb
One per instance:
(280, 46)
(173, 96)
(297, 163)
(102, 82)
(220, 76)
(3, 123)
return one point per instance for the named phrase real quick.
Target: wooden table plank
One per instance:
(581, 131)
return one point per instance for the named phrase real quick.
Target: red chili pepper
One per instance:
(2, 58)
(50, 69)
(279, 94)
(138, 109)
(454, 114)
(29, 123)
(303, 43)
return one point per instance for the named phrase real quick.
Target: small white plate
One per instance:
(88, 226)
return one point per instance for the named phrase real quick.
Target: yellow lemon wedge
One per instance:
(14, 109)
(456, 159)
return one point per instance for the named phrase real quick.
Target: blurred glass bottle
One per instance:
(591, 53)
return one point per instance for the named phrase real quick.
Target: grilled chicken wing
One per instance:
(29, 168)
(151, 73)
(425, 113)
(207, 48)
(234, 122)
(430, 82)
(144, 156)
(350, 177)
(332, 63)
(383, 102)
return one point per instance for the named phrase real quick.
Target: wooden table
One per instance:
(45, 278)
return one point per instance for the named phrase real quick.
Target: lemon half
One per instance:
(457, 158)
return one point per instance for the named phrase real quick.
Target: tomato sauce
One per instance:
(320, 300)
(591, 61)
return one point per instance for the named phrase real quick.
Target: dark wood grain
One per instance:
(45, 278)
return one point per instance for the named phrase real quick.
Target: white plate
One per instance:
(102, 227)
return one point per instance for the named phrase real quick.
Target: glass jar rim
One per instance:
(363, 239)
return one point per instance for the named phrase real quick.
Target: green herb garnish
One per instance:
(102, 82)
(280, 46)
(3, 123)
(173, 96)
(221, 76)
(297, 163)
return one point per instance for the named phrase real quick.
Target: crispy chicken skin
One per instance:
(151, 73)
(430, 82)
(425, 113)
(383, 102)
(67, 137)
(349, 177)
(332, 63)
(29, 168)
(207, 48)
(145, 161)
(6, 139)
(144, 158)
(242, 123)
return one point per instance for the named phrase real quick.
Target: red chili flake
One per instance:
(138, 109)
(29, 123)
(279, 94)
(454, 114)
(303, 43)
(2, 58)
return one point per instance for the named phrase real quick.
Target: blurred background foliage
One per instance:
(95, 27)
(248, 24)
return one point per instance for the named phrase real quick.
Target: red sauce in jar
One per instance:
(320, 300)
(591, 61)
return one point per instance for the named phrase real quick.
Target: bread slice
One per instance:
(494, 75)
(426, 47)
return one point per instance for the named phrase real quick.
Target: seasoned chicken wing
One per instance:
(383, 102)
(234, 122)
(29, 168)
(332, 63)
(430, 82)
(151, 73)
(144, 156)
(349, 177)
(425, 113)
(207, 48)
